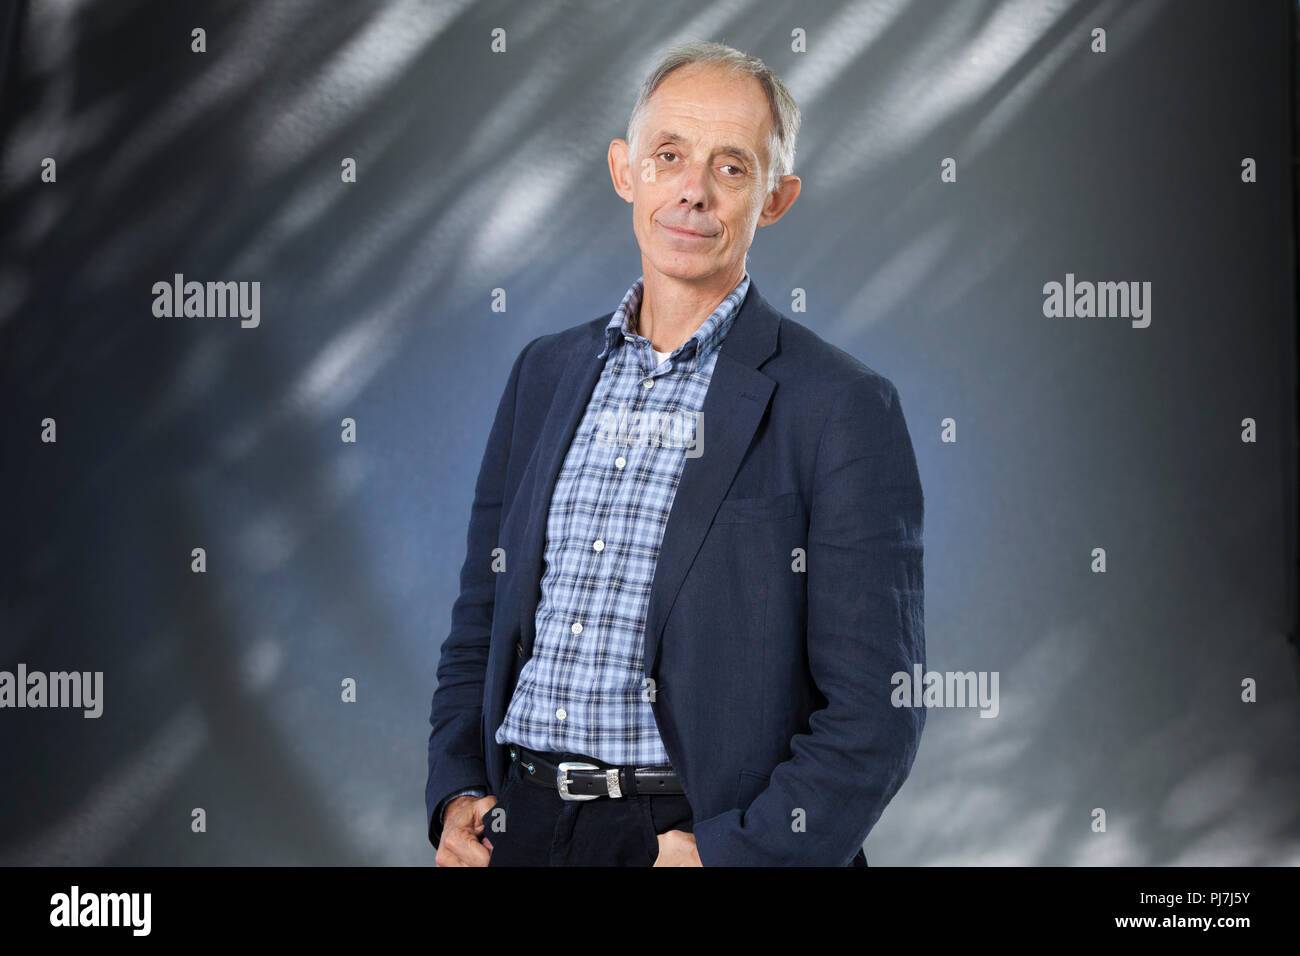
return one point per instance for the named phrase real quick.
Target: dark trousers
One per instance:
(534, 826)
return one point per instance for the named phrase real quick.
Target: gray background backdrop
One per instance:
(477, 170)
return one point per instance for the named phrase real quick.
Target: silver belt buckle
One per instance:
(562, 780)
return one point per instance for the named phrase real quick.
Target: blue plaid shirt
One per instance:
(584, 690)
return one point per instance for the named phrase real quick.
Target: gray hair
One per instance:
(785, 112)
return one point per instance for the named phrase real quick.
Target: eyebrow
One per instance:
(740, 151)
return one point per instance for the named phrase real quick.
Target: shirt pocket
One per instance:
(766, 508)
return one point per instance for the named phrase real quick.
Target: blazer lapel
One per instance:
(734, 405)
(572, 394)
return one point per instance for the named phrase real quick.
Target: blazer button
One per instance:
(519, 649)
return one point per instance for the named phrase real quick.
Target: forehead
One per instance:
(707, 104)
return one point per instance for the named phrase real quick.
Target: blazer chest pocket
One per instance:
(766, 508)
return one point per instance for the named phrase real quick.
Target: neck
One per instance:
(673, 309)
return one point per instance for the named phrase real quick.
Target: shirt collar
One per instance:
(709, 336)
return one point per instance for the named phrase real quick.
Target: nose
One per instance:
(693, 185)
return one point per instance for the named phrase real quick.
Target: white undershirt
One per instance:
(659, 356)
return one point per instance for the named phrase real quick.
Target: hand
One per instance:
(677, 848)
(462, 842)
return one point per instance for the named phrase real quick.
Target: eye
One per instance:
(667, 153)
(738, 170)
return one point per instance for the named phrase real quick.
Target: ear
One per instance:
(780, 199)
(619, 171)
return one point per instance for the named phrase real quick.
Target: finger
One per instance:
(474, 854)
(482, 808)
(468, 850)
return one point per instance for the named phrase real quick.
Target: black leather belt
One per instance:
(576, 780)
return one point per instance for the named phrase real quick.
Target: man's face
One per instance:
(698, 183)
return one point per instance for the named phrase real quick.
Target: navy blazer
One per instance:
(788, 592)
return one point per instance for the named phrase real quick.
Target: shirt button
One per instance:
(620, 461)
(561, 713)
(649, 383)
(576, 628)
(598, 545)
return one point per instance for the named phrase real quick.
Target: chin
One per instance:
(684, 268)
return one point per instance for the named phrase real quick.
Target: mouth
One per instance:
(685, 233)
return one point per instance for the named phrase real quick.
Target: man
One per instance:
(679, 652)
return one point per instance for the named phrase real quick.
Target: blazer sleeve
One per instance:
(456, 760)
(865, 623)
